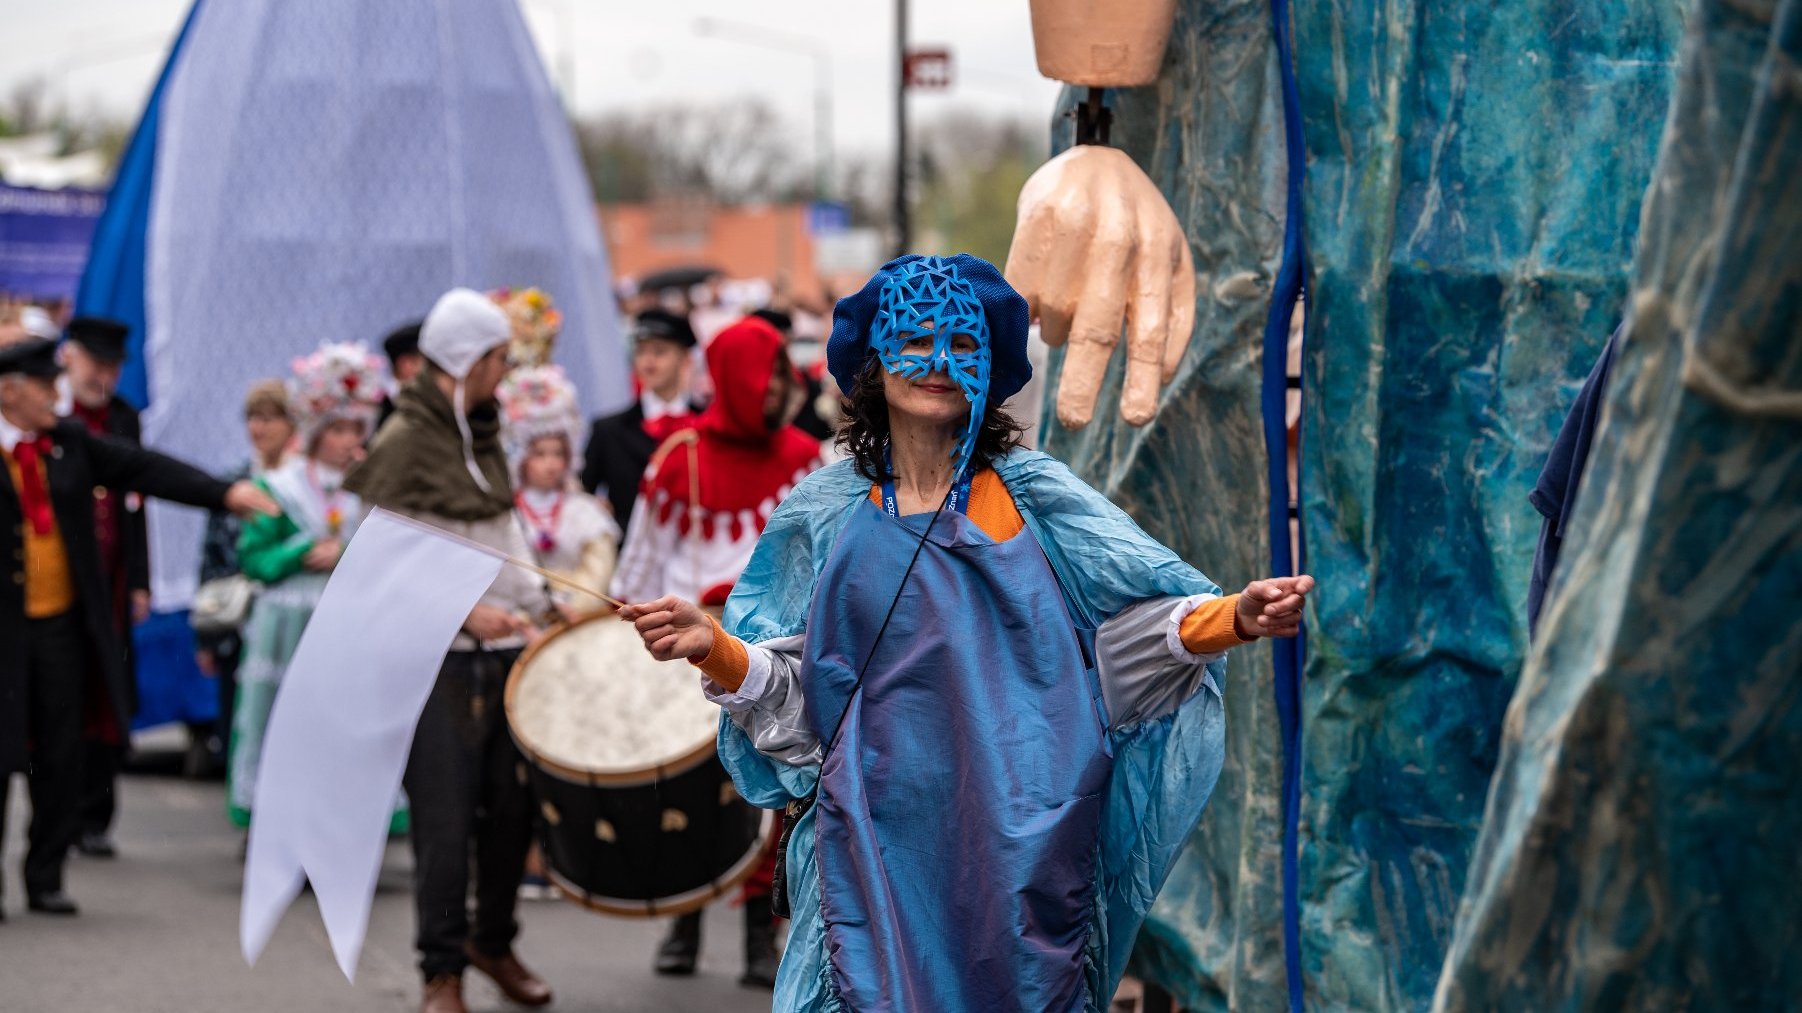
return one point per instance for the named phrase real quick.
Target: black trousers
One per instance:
(471, 807)
(56, 664)
(100, 763)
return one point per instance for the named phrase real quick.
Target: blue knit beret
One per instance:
(848, 353)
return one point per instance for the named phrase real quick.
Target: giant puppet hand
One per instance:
(1097, 247)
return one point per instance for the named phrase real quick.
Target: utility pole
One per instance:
(903, 222)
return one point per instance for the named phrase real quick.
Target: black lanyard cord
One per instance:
(826, 749)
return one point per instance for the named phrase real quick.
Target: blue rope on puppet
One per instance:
(941, 298)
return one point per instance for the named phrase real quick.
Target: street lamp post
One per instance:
(790, 42)
(903, 213)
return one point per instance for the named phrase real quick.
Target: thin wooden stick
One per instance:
(491, 551)
(566, 582)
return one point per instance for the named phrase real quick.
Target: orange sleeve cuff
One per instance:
(1211, 629)
(727, 661)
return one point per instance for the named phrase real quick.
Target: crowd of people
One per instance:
(462, 422)
(715, 471)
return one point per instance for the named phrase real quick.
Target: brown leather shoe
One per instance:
(517, 983)
(443, 994)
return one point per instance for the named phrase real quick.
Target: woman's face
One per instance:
(934, 399)
(269, 434)
(546, 465)
(339, 444)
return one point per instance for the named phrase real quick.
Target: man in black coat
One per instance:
(620, 445)
(93, 354)
(56, 602)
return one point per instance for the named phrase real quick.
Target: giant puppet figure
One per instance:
(1458, 188)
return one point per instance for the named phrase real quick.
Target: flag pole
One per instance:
(492, 551)
(565, 581)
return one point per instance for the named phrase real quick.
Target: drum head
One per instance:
(589, 704)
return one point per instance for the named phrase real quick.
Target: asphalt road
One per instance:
(159, 932)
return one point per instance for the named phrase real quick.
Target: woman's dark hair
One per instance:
(865, 432)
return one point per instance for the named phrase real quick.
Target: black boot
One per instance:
(760, 944)
(682, 947)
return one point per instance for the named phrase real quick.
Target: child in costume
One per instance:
(570, 532)
(334, 397)
(987, 699)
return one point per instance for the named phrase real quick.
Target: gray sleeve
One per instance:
(1145, 671)
(769, 706)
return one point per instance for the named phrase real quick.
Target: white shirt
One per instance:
(655, 407)
(11, 435)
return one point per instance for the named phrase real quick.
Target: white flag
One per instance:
(343, 723)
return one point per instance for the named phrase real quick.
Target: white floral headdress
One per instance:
(341, 380)
(538, 401)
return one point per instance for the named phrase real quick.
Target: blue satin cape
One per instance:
(1154, 791)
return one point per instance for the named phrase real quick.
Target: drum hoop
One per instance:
(628, 778)
(682, 903)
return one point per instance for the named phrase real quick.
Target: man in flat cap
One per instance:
(620, 445)
(56, 601)
(93, 354)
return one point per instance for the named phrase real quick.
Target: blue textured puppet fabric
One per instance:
(1640, 846)
(1474, 177)
(1162, 769)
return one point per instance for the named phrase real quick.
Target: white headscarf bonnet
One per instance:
(461, 328)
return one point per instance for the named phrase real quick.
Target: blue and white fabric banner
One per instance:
(326, 170)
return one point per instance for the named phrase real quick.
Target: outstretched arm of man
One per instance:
(120, 464)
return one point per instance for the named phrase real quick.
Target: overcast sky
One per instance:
(624, 53)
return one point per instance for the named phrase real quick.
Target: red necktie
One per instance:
(33, 496)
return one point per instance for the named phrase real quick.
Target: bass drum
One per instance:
(638, 816)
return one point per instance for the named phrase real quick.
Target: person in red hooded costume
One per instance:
(703, 503)
(744, 453)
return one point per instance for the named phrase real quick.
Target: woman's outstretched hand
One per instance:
(1272, 607)
(671, 627)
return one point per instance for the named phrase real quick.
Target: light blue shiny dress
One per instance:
(987, 837)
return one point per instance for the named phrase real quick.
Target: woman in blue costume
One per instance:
(988, 701)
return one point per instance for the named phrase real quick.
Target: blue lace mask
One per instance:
(928, 300)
